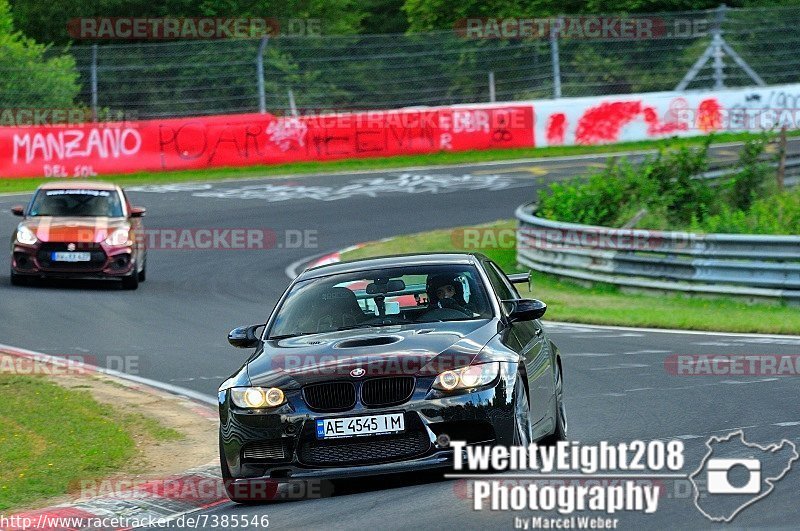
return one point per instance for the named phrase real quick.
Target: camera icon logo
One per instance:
(735, 473)
(718, 476)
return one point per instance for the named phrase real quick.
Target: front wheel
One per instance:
(143, 272)
(241, 496)
(18, 280)
(131, 282)
(560, 431)
(522, 414)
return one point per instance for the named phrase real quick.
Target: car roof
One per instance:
(382, 262)
(78, 185)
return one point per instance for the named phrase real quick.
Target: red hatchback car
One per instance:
(79, 230)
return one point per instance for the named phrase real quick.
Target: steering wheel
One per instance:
(442, 314)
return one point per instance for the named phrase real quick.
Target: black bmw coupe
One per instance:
(374, 366)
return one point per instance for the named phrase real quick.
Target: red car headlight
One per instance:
(26, 236)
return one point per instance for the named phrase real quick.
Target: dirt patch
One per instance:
(181, 433)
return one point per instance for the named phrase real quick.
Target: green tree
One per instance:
(48, 21)
(29, 78)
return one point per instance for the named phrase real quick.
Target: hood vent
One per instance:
(368, 342)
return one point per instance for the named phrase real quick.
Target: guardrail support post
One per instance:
(491, 86)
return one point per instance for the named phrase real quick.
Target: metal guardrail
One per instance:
(791, 168)
(725, 264)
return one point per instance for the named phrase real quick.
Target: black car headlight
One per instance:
(467, 377)
(257, 397)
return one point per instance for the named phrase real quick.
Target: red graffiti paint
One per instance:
(86, 149)
(604, 122)
(556, 129)
(709, 115)
(656, 127)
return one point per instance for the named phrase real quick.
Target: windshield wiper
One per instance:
(363, 325)
(287, 336)
(350, 327)
(451, 320)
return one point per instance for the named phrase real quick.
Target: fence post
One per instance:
(781, 173)
(555, 30)
(93, 77)
(262, 98)
(292, 105)
(719, 64)
(491, 87)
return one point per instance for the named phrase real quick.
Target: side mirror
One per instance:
(18, 210)
(244, 336)
(525, 309)
(138, 212)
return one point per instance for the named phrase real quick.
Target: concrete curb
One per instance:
(295, 268)
(150, 503)
(117, 504)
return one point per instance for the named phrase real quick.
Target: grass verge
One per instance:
(53, 438)
(605, 304)
(379, 163)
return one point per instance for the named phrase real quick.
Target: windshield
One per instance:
(80, 203)
(403, 295)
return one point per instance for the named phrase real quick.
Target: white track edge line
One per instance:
(173, 389)
(673, 330)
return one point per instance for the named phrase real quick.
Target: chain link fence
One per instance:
(699, 49)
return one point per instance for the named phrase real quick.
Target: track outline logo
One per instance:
(771, 480)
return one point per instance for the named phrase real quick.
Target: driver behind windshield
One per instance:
(447, 291)
(353, 300)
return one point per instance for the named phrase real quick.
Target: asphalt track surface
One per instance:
(173, 329)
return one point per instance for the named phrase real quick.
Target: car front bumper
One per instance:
(106, 262)
(431, 420)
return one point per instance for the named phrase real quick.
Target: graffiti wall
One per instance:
(78, 150)
(597, 120)
(250, 139)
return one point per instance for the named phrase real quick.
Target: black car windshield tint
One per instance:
(395, 296)
(79, 203)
